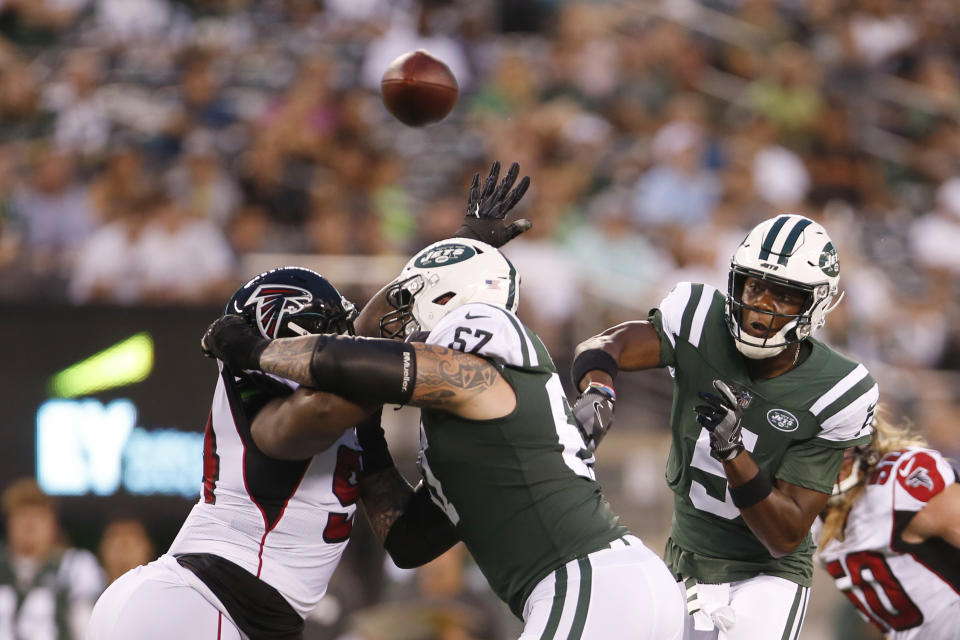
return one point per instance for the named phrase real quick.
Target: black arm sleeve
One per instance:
(421, 534)
(364, 370)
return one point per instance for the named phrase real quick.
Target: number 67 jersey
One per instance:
(910, 591)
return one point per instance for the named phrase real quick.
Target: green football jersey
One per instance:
(520, 489)
(795, 427)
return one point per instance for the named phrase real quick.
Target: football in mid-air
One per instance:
(418, 89)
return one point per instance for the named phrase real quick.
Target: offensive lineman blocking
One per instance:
(282, 473)
(505, 467)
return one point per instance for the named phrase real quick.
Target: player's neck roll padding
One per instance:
(364, 370)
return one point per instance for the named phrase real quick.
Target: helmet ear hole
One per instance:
(444, 298)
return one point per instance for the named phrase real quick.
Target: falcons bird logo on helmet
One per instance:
(272, 303)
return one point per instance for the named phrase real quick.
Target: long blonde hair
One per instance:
(887, 437)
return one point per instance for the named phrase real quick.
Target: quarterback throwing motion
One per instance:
(761, 415)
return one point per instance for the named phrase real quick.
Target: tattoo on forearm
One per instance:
(290, 358)
(385, 496)
(443, 374)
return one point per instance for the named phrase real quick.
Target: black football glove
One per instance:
(593, 410)
(722, 417)
(487, 208)
(234, 341)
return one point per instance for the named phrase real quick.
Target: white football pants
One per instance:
(625, 592)
(759, 608)
(159, 601)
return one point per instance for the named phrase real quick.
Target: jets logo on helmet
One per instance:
(829, 262)
(445, 255)
(446, 275)
(273, 302)
(792, 251)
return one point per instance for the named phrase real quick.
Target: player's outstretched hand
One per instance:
(234, 341)
(594, 413)
(721, 416)
(487, 207)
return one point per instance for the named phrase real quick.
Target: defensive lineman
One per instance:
(762, 413)
(505, 467)
(257, 551)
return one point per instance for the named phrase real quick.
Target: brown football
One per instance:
(418, 89)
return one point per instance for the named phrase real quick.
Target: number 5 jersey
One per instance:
(911, 591)
(795, 427)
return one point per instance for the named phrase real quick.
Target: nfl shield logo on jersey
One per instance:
(743, 396)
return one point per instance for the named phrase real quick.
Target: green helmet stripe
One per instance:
(512, 293)
(772, 237)
(792, 240)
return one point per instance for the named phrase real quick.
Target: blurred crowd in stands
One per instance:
(147, 146)
(150, 148)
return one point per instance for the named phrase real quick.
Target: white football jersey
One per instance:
(907, 590)
(286, 522)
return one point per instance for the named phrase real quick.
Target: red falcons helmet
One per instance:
(293, 301)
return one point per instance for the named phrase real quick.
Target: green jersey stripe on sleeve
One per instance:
(672, 310)
(839, 389)
(521, 334)
(700, 315)
(543, 358)
(686, 326)
(853, 421)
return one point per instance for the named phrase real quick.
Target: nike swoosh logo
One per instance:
(907, 468)
(470, 317)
